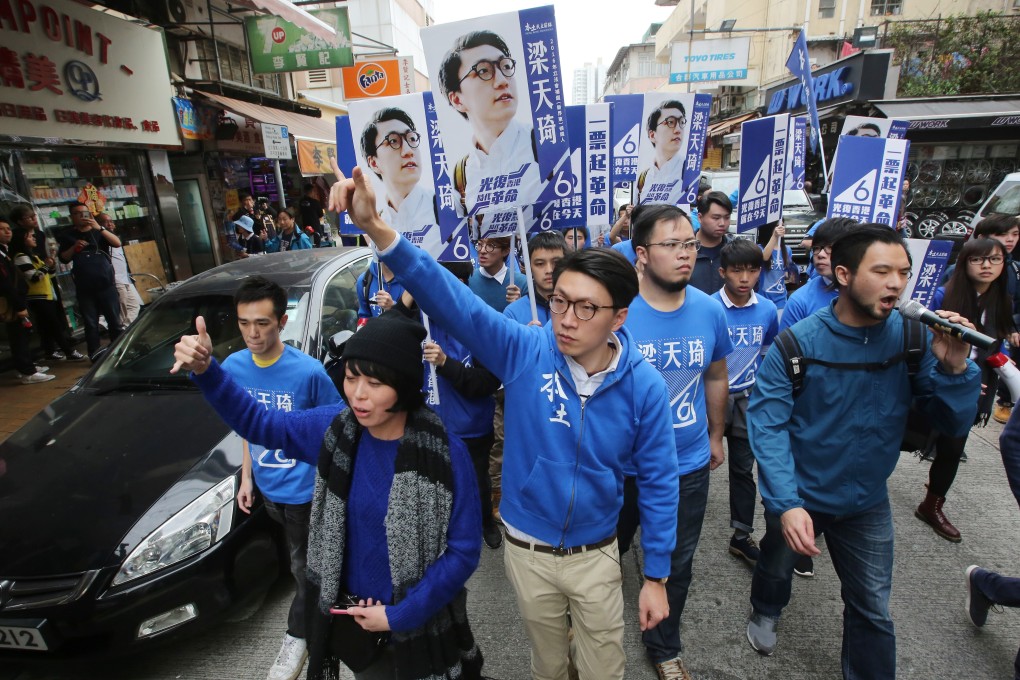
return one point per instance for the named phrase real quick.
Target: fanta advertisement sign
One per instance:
(378, 78)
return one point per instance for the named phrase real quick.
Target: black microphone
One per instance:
(912, 309)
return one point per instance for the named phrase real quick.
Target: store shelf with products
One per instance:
(262, 178)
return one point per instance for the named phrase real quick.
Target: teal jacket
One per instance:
(832, 448)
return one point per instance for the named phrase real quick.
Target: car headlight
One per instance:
(198, 526)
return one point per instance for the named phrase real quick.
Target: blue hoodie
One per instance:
(807, 300)
(563, 463)
(832, 448)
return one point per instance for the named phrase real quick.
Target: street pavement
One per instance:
(935, 639)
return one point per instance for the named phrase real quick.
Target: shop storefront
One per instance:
(224, 157)
(843, 88)
(86, 116)
(960, 150)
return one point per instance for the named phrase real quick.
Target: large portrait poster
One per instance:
(863, 126)
(499, 100)
(396, 142)
(662, 153)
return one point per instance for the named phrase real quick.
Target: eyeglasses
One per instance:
(672, 121)
(583, 310)
(486, 246)
(672, 246)
(486, 70)
(395, 140)
(818, 249)
(991, 259)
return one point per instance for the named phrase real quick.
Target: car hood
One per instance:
(81, 474)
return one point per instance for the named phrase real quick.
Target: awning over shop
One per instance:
(304, 127)
(953, 113)
(295, 15)
(724, 126)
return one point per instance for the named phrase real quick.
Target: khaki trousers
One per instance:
(590, 586)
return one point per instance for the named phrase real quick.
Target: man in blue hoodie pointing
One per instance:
(581, 405)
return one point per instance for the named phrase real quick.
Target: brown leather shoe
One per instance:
(1001, 413)
(930, 512)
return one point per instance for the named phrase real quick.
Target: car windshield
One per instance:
(796, 198)
(1006, 200)
(144, 356)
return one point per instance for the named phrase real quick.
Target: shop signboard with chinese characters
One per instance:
(313, 156)
(378, 78)
(867, 178)
(77, 74)
(278, 46)
(703, 61)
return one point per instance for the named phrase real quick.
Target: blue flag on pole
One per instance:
(799, 65)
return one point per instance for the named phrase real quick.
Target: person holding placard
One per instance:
(561, 549)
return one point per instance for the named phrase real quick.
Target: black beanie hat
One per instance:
(391, 340)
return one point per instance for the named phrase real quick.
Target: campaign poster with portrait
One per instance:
(863, 126)
(397, 143)
(499, 98)
(666, 119)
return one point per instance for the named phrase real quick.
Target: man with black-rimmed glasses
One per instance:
(682, 332)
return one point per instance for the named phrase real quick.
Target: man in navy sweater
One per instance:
(490, 278)
(582, 403)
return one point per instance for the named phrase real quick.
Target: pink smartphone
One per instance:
(335, 610)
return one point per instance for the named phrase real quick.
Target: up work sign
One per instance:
(867, 179)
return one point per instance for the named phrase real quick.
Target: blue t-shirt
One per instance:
(681, 345)
(626, 248)
(295, 382)
(366, 310)
(752, 329)
(807, 300)
(772, 284)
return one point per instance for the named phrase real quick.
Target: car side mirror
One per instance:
(337, 342)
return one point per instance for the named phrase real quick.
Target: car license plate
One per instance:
(26, 638)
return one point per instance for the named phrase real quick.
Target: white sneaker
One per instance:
(290, 660)
(37, 377)
(41, 369)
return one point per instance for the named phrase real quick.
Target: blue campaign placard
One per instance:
(346, 159)
(898, 129)
(625, 135)
(867, 178)
(762, 171)
(589, 203)
(696, 148)
(930, 259)
(796, 153)
(500, 103)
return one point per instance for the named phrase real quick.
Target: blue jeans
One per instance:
(663, 642)
(861, 548)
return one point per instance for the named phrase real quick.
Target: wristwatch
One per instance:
(660, 581)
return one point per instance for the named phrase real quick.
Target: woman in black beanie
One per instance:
(392, 487)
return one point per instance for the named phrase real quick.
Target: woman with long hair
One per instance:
(43, 304)
(977, 290)
(394, 531)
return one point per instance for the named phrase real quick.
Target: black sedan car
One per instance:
(118, 521)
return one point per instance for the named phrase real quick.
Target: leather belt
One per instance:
(562, 552)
